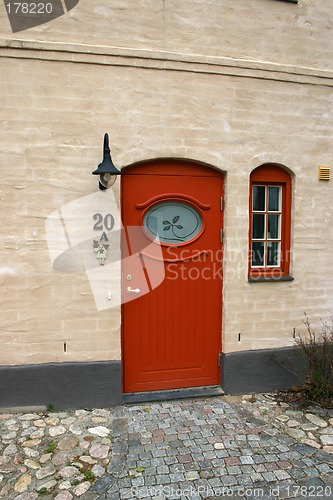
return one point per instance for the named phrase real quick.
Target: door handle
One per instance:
(133, 290)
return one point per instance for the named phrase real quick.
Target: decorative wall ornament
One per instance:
(100, 249)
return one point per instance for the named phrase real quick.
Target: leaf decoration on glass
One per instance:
(172, 226)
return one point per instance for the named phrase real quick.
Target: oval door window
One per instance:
(174, 222)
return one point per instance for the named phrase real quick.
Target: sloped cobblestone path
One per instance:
(199, 448)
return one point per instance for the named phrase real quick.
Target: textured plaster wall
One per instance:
(157, 75)
(267, 30)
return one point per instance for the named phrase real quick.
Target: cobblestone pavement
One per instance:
(198, 448)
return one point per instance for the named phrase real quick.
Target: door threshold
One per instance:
(190, 392)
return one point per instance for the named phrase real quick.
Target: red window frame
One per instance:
(273, 175)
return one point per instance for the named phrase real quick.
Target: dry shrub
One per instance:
(318, 349)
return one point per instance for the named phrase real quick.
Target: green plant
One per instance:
(89, 476)
(50, 408)
(51, 447)
(318, 349)
(43, 491)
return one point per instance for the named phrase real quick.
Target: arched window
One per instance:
(270, 218)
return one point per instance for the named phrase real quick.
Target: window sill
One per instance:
(269, 278)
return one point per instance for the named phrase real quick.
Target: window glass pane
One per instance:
(173, 222)
(258, 253)
(258, 226)
(273, 253)
(273, 226)
(258, 198)
(274, 198)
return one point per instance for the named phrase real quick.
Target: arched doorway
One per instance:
(172, 212)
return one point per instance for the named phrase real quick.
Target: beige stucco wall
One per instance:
(265, 30)
(234, 84)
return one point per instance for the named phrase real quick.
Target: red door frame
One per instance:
(167, 167)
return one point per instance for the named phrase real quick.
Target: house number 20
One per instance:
(103, 223)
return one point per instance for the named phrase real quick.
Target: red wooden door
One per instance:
(171, 322)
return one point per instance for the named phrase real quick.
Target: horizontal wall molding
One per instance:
(162, 60)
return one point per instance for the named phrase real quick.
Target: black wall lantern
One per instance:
(106, 170)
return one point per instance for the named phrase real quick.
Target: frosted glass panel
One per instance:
(173, 222)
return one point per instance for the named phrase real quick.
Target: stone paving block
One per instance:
(172, 452)
(256, 477)
(271, 458)
(163, 479)
(157, 462)
(124, 483)
(269, 477)
(244, 480)
(103, 484)
(324, 468)
(308, 461)
(324, 457)
(119, 426)
(232, 461)
(229, 480)
(150, 480)
(281, 474)
(170, 460)
(158, 453)
(234, 470)
(304, 449)
(177, 468)
(310, 472)
(247, 469)
(209, 455)
(163, 469)
(259, 467)
(125, 494)
(328, 483)
(310, 484)
(271, 466)
(137, 481)
(176, 443)
(215, 482)
(116, 465)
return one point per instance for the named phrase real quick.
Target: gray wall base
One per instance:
(99, 384)
(262, 370)
(191, 392)
(62, 385)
